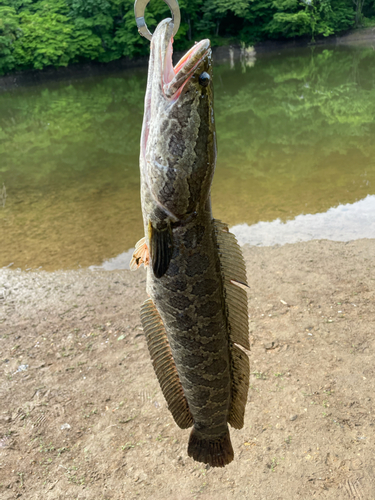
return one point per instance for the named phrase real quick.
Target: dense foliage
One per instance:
(39, 33)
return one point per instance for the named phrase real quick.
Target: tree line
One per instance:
(39, 33)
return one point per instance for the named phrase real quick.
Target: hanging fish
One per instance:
(195, 320)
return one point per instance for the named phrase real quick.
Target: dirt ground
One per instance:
(82, 415)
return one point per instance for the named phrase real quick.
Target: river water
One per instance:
(296, 140)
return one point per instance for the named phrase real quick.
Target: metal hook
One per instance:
(139, 11)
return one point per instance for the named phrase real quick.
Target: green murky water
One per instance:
(296, 135)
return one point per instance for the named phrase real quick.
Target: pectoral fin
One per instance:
(161, 249)
(140, 255)
(164, 365)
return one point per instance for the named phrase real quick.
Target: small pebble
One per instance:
(22, 368)
(293, 417)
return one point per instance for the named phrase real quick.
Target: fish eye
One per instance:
(204, 79)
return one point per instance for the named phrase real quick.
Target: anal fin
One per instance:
(164, 365)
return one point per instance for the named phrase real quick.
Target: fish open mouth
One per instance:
(176, 77)
(172, 78)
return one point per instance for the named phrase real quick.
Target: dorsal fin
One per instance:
(233, 270)
(164, 365)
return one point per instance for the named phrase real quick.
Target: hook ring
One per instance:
(139, 11)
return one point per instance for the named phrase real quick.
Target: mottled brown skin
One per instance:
(178, 146)
(178, 154)
(189, 298)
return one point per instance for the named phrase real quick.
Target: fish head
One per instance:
(178, 145)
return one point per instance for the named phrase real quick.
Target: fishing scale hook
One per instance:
(139, 11)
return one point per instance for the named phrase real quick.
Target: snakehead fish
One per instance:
(195, 319)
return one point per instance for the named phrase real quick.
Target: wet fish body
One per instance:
(195, 319)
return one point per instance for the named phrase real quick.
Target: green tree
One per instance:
(191, 13)
(215, 12)
(9, 32)
(61, 43)
(309, 17)
(39, 33)
(358, 4)
(98, 17)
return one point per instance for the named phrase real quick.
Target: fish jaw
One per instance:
(178, 121)
(175, 78)
(172, 78)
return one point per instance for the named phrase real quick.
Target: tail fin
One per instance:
(215, 452)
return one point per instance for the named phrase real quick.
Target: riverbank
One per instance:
(221, 54)
(82, 415)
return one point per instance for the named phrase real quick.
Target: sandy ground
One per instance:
(82, 415)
